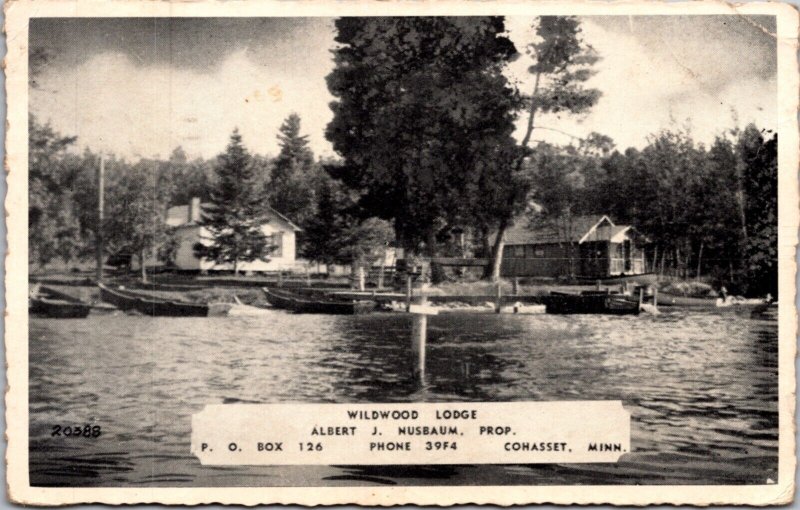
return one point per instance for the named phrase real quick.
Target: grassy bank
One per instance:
(249, 296)
(246, 289)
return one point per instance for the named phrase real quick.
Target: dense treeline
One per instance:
(427, 140)
(423, 123)
(707, 211)
(63, 203)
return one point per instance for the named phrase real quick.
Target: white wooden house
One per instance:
(185, 219)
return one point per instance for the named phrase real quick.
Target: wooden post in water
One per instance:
(498, 301)
(516, 287)
(280, 278)
(598, 285)
(641, 297)
(655, 297)
(100, 205)
(419, 332)
(419, 337)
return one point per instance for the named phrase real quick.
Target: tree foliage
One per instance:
(759, 173)
(325, 233)
(134, 212)
(562, 64)
(234, 215)
(708, 212)
(54, 231)
(294, 174)
(187, 179)
(338, 234)
(418, 102)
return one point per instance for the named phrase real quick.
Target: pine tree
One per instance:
(234, 216)
(134, 213)
(295, 154)
(53, 226)
(422, 133)
(759, 158)
(563, 63)
(325, 231)
(292, 186)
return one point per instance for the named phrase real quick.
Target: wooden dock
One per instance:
(388, 297)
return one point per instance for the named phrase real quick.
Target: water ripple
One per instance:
(701, 389)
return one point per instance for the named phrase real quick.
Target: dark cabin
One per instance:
(582, 247)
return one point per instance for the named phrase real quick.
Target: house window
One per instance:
(539, 253)
(276, 240)
(519, 252)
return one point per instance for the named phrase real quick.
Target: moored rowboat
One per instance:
(305, 304)
(151, 305)
(595, 303)
(641, 279)
(52, 303)
(665, 299)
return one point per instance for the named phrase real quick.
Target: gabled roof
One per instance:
(178, 216)
(578, 230)
(284, 218)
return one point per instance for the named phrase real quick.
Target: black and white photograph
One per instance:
(380, 251)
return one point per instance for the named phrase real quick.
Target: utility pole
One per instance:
(99, 233)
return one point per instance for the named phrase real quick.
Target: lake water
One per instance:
(701, 388)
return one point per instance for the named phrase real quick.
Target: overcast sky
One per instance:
(141, 87)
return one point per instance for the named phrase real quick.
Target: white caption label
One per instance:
(449, 433)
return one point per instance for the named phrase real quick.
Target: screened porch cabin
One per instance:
(585, 247)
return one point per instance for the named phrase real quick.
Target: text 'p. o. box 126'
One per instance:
(447, 433)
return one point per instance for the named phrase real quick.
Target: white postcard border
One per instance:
(18, 12)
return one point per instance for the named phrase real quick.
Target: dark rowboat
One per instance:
(641, 279)
(665, 299)
(278, 299)
(152, 305)
(766, 311)
(297, 303)
(675, 301)
(595, 303)
(52, 303)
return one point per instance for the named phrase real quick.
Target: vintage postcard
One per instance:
(385, 253)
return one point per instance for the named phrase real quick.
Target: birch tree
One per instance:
(562, 64)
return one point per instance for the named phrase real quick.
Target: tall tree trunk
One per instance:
(654, 267)
(430, 242)
(486, 242)
(675, 260)
(499, 242)
(380, 274)
(497, 250)
(742, 215)
(486, 251)
(684, 258)
(142, 266)
(437, 274)
(699, 260)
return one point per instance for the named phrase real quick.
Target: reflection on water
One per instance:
(701, 388)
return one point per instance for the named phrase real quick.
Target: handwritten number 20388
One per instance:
(91, 431)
